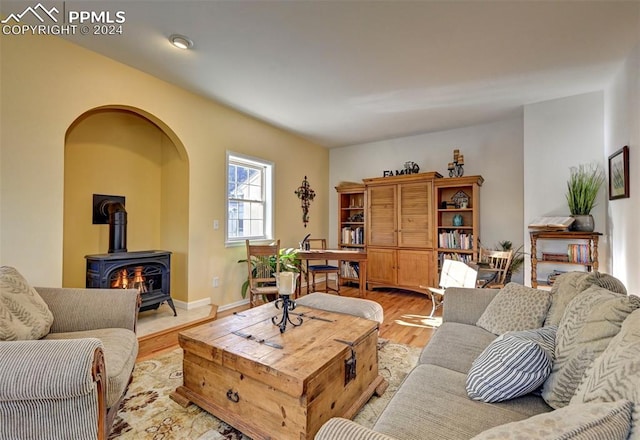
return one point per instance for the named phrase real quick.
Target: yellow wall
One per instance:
(46, 83)
(118, 152)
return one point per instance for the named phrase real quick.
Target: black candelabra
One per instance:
(285, 303)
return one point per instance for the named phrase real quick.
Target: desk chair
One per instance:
(263, 264)
(323, 267)
(454, 274)
(493, 267)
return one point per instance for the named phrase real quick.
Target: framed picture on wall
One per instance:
(619, 174)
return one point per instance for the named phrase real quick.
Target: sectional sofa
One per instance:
(521, 363)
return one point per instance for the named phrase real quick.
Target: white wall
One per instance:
(622, 127)
(559, 134)
(493, 150)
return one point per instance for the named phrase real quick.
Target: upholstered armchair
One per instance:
(69, 383)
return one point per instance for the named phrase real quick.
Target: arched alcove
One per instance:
(127, 152)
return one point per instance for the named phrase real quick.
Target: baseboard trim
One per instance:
(184, 305)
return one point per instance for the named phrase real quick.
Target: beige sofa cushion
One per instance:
(515, 308)
(589, 421)
(23, 313)
(615, 375)
(432, 403)
(589, 323)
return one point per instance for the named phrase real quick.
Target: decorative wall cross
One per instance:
(306, 195)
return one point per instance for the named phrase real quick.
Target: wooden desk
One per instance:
(340, 255)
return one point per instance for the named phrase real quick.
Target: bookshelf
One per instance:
(351, 225)
(457, 218)
(581, 250)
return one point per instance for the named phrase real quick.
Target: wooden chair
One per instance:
(493, 267)
(263, 264)
(322, 268)
(453, 274)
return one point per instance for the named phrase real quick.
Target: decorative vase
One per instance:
(457, 220)
(583, 223)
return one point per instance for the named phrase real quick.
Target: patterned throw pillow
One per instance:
(513, 365)
(563, 291)
(589, 323)
(611, 283)
(571, 284)
(23, 313)
(514, 308)
(587, 421)
(615, 375)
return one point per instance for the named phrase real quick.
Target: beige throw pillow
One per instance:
(615, 375)
(588, 421)
(563, 291)
(605, 280)
(23, 313)
(515, 308)
(589, 323)
(571, 284)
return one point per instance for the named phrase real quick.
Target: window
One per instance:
(249, 198)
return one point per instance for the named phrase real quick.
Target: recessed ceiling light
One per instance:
(180, 41)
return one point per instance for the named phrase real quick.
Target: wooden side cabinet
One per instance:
(582, 250)
(399, 225)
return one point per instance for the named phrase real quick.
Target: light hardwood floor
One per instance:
(406, 320)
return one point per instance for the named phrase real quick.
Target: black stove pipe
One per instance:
(117, 225)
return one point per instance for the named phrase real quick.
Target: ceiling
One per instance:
(348, 72)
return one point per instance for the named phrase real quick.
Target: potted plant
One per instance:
(582, 189)
(289, 262)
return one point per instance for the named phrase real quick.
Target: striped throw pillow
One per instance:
(513, 365)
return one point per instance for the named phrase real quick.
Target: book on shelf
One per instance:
(350, 269)
(579, 253)
(549, 256)
(455, 240)
(551, 278)
(353, 235)
(465, 258)
(551, 223)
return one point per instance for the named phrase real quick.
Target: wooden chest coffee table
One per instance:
(273, 385)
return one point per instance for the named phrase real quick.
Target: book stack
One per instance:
(579, 253)
(465, 258)
(353, 236)
(455, 240)
(553, 275)
(548, 256)
(350, 269)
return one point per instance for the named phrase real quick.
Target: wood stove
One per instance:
(147, 271)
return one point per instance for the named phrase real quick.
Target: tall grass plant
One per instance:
(582, 188)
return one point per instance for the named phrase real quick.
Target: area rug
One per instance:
(147, 412)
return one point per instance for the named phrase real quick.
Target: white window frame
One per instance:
(267, 201)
